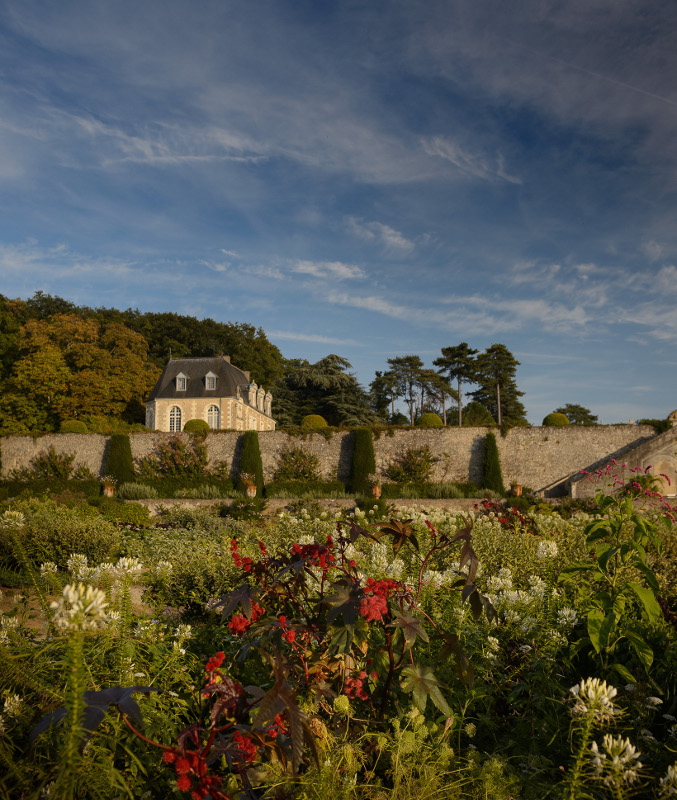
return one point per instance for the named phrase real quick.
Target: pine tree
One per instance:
(495, 376)
(459, 364)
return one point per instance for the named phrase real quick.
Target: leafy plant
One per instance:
(175, 457)
(314, 421)
(197, 426)
(429, 420)
(363, 461)
(555, 419)
(250, 460)
(119, 462)
(491, 469)
(414, 465)
(297, 464)
(73, 426)
(619, 579)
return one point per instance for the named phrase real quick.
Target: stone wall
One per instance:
(535, 457)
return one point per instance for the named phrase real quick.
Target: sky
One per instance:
(371, 179)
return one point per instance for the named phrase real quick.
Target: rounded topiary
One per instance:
(314, 421)
(73, 426)
(429, 420)
(556, 420)
(196, 426)
(493, 477)
(250, 460)
(364, 461)
(120, 464)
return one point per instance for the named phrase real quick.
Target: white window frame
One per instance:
(175, 418)
(210, 381)
(214, 418)
(181, 382)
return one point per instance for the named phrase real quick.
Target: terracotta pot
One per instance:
(108, 491)
(516, 489)
(376, 491)
(250, 491)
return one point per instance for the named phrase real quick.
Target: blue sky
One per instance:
(366, 178)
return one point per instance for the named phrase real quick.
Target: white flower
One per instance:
(567, 617)
(12, 705)
(80, 607)
(77, 567)
(668, 783)
(653, 702)
(547, 548)
(619, 762)
(595, 696)
(48, 568)
(12, 519)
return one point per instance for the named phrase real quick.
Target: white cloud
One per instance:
(310, 337)
(393, 241)
(336, 270)
(471, 164)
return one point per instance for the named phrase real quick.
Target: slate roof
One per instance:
(228, 378)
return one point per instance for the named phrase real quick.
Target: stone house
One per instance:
(211, 389)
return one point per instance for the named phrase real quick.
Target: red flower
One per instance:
(215, 661)
(183, 782)
(169, 756)
(182, 766)
(290, 636)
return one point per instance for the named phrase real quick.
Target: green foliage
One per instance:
(363, 461)
(53, 532)
(441, 491)
(555, 420)
(47, 464)
(73, 426)
(659, 425)
(492, 477)
(414, 465)
(459, 364)
(475, 415)
(577, 414)
(196, 426)
(207, 491)
(175, 457)
(291, 488)
(136, 491)
(429, 420)
(495, 372)
(250, 460)
(245, 509)
(119, 462)
(121, 513)
(314, 421)
(297, 464)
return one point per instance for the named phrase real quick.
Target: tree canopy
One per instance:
(577, 415)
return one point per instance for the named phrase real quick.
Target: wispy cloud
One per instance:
(315, 338)
(392, 241)
(329, 269)
(478, 166)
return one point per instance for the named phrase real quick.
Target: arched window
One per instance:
(175, 419)
(214, 418)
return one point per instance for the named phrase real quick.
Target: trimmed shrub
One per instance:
(73, 426)
(476, 415)
(556, 420)
(196, 426)
(314, 421)
(364, 462)
(493, 477)
(429, 420)
(297, 464)
(286, 489)
(250, 461)
(119, 463)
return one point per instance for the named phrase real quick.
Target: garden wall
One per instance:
(534, 457)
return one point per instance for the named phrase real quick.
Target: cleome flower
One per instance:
(80, 608)
(594, 696)
(617, 763)
(668, 783)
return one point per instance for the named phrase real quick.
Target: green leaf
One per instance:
(571, 570)
(600, 627)
(411, 626)
(648, 574)
(605, 557)
(624, 672)
(596, 531)
(648, 600)
(341, 641)
(422, 683)
(644, 652)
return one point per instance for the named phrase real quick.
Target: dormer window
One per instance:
(210, 381)
(181, 381)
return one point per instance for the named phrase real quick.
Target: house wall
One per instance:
(234, 413)
(534, 457)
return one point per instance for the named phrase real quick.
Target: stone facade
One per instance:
(210, 389)
(545, 459)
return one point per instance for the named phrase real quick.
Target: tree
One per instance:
(459, 364)
(383, 393)
(495, 376)
(577, 415)
(434, 391)
(406, 371)
(325, 388)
